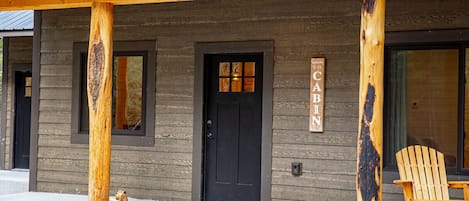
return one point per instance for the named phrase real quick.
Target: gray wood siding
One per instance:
(300, 29)
(20, 52)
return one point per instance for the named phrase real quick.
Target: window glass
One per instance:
(127, 92)
(422, 101)
(236, 77)
(249, 68)
(236, 84)
(466, 113)
(224, 85)
(224, 70)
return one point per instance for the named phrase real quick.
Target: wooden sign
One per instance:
(316, 102)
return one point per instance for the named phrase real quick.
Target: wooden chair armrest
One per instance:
(406, 186)
(458, 184)
(402, 182)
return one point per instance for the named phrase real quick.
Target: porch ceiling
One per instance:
(6, 5)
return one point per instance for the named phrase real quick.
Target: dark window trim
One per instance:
(148, 108)
(433, 39)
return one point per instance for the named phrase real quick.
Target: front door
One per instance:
(233, 129)
(23, 90)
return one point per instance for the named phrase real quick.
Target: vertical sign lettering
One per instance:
(316, 104)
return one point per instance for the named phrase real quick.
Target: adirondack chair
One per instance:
(423, 175)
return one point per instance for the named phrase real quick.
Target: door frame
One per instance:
(24, 67)
(202, 49)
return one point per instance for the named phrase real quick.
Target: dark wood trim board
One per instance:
(35, 101)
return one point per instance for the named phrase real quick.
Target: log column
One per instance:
(100, 100)
(370, 134)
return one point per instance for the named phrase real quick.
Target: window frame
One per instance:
(430, 40)
(146, 137)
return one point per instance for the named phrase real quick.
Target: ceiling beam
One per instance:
(6, 5)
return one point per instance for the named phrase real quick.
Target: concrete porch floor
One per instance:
(14, 186)
(14, 181)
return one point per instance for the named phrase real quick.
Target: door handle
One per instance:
(210, 135)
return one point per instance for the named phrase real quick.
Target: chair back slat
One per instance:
(415, 173)
(436, 175)
(428, 171)
(443, 180)
(426, 168)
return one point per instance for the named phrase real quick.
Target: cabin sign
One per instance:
(316, 103)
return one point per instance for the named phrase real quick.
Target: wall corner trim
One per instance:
(36, 70)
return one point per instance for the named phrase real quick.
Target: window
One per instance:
(133, 91)
(241, 75)
(427, 101)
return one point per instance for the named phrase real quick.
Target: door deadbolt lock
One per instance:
(210, 135)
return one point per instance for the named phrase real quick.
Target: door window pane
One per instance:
(422, 101)
(224, 85)
(224, 69)
(241, 75)
(249, 84)
(237, 69)
(236, 84)
(249, 68)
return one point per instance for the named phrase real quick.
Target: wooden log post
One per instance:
(370, 134)
(100, 100)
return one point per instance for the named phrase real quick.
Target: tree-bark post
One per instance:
(100, 100)
(370, 134)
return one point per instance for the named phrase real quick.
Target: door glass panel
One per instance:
(127, 92)
(224, 85)
(224, 69)
(236, 84)
(28, 87)
(237, 69)
(249, 68)
(249, 84)
(28, 81)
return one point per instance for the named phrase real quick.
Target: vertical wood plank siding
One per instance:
(20, 51)
(299, 29)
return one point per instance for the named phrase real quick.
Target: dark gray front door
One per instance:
(23, 90)
(233, 127)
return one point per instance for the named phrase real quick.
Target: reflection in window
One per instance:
(422, 101)
(127, 92)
